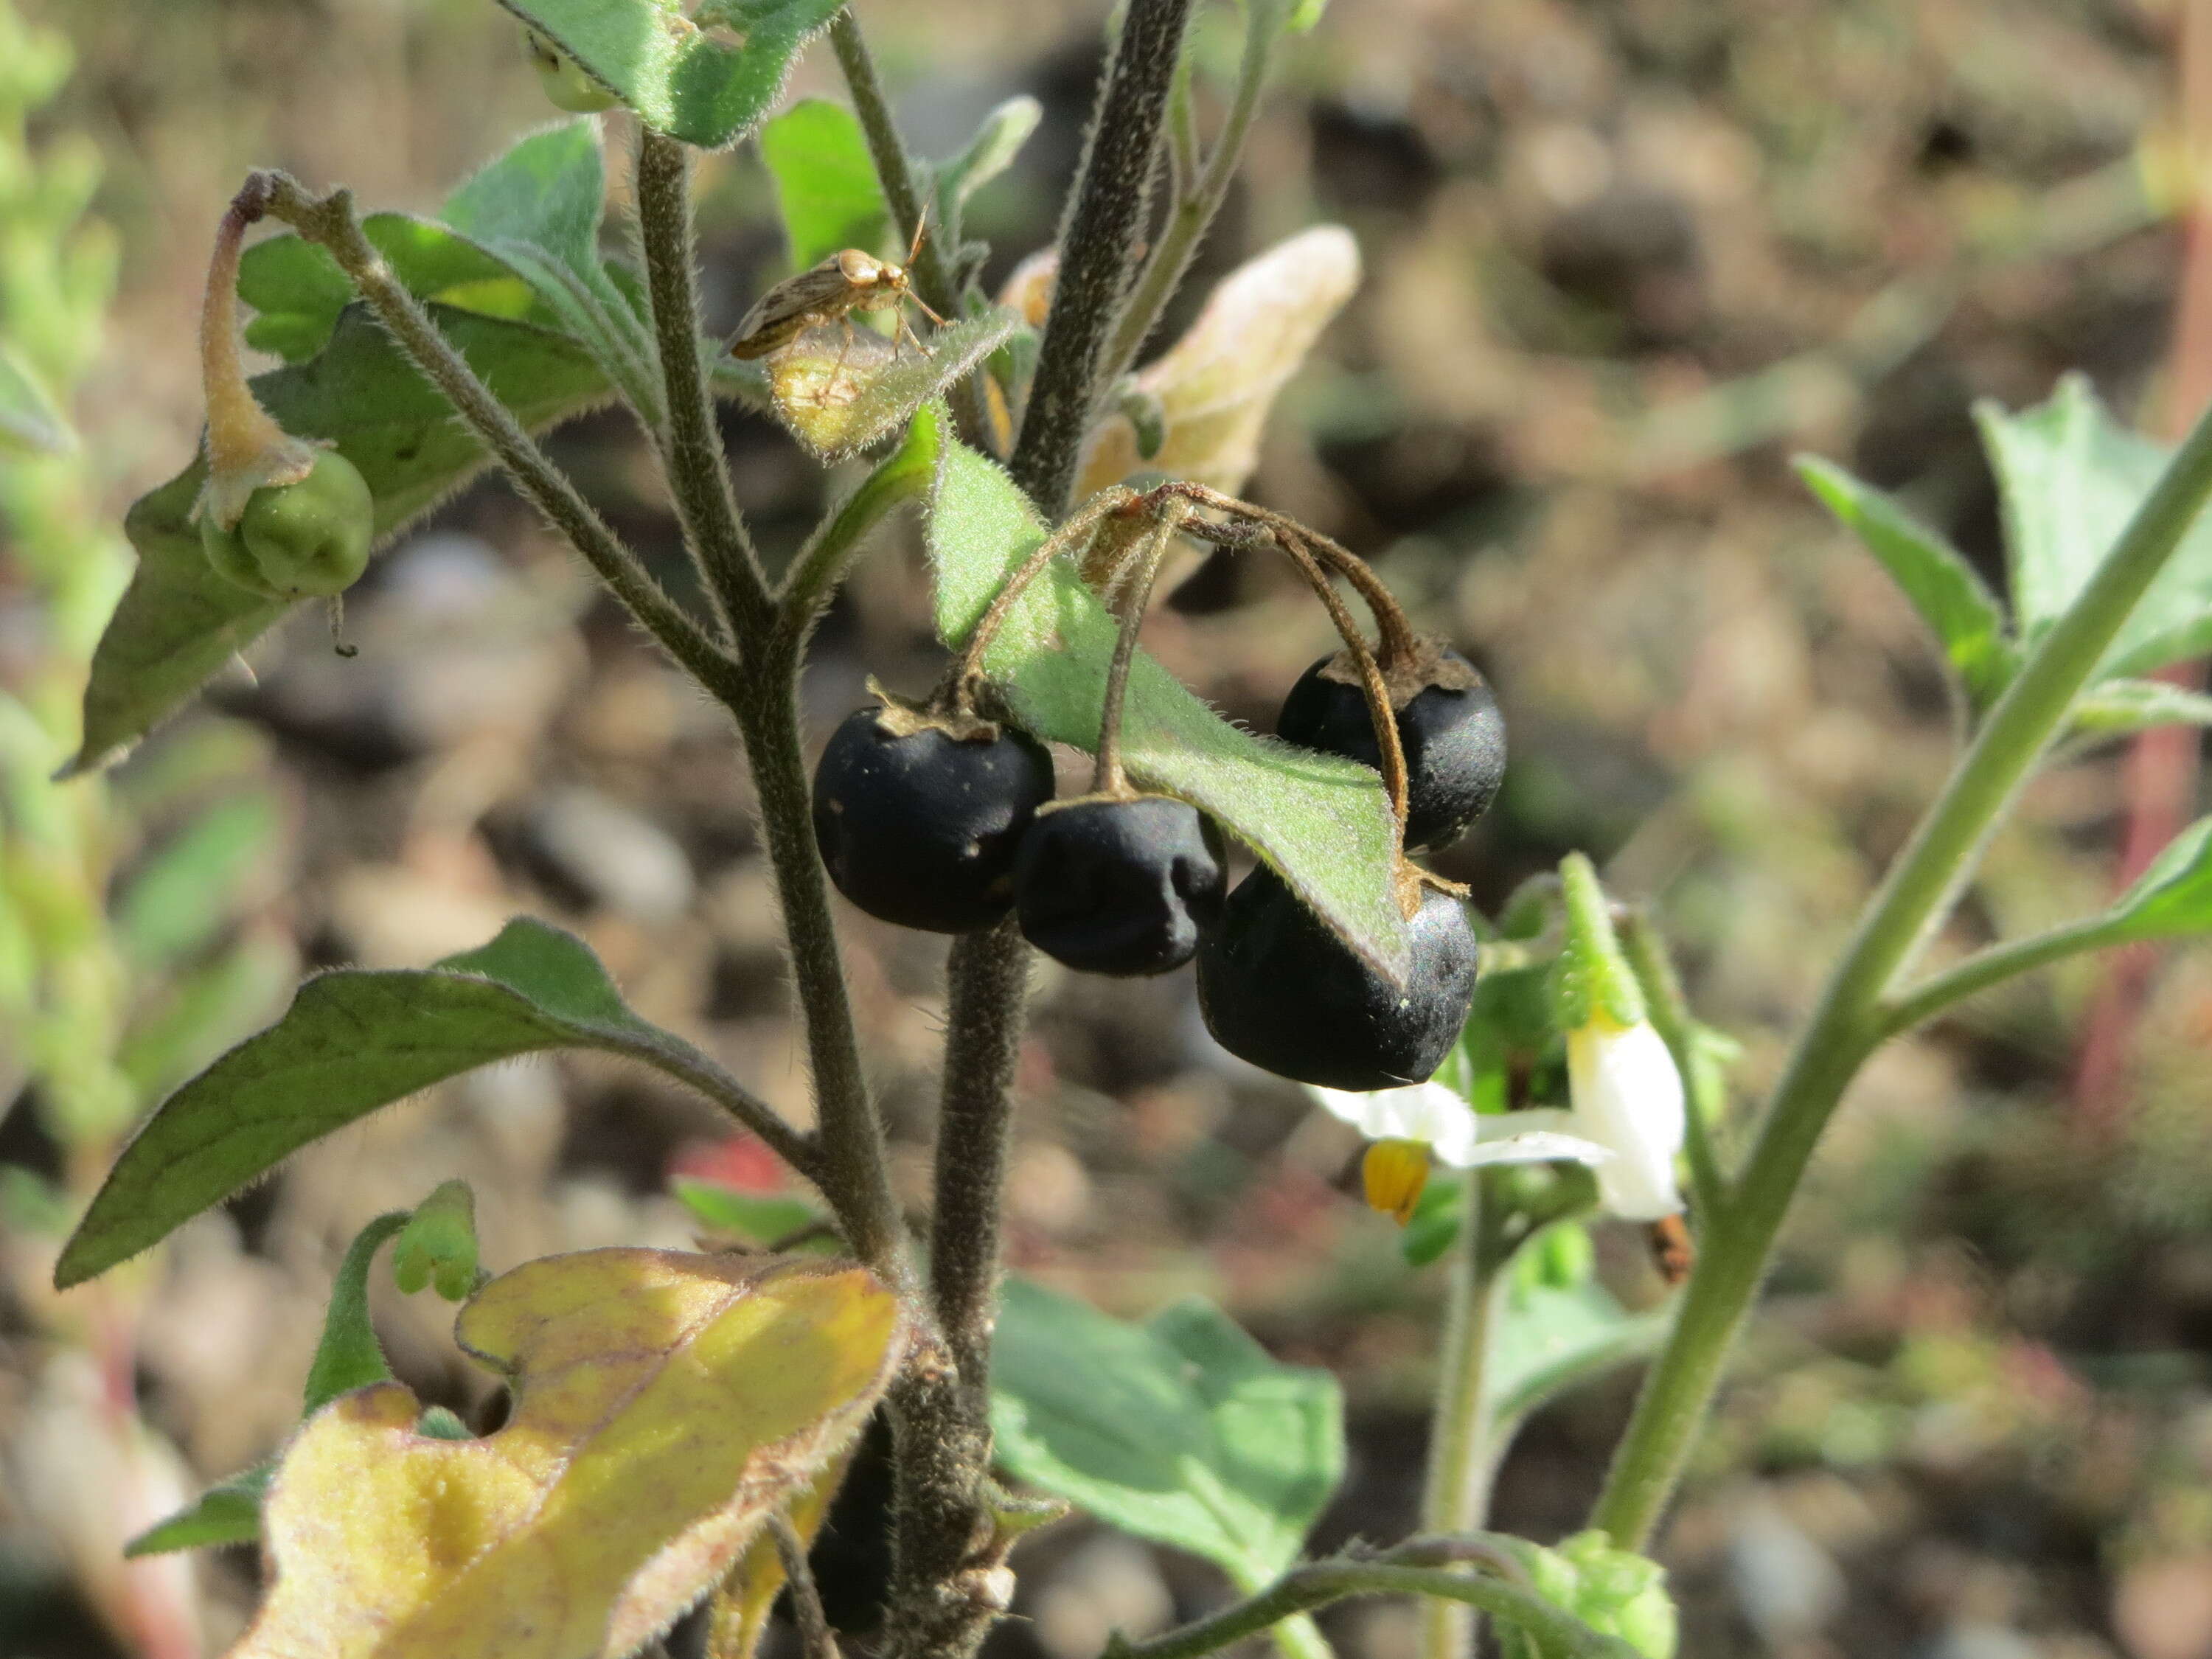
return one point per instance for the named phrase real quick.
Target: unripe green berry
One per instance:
(296, 541)
(563, 78)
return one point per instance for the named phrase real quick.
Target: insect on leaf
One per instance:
(839, 390)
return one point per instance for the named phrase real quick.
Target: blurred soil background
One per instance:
(1621, 260)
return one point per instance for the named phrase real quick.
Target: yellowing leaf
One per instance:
(1215, 387)
(664, 1406)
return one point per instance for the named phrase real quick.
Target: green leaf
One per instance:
(2117, 707)
(439, 1244)
(825, 181)
(180, 622)
(1553, 1338)
(348, 1357)
(839, 390)
(30, 424)
(1180, 1430)
(991, 151)
(682, 77)
(1951, 598)
(1321, 822)
(228, 1513)
(2172, 897)
(758, 1218)
(298, 293)
(354, 1039)
(2069, 478)
(184, 894)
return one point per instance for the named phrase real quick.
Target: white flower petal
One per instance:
(1421, 1111)
(1534, 1146)
(1628, 1096)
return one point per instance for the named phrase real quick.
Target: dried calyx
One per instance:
(283, 517)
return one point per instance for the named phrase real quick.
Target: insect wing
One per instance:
(791, 305)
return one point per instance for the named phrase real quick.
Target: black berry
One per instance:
(1448, 724)
(919, 820)
(1119, 885)
(1281, 989)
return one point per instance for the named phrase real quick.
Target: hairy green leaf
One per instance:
(690, 79)
(825, 181)
(1951, 598)
(758, 1217)
(2174, 896)
(1180, 1430)
(840, 389)
(991, 151)
(354, 1039)
(180, 622)
(228, 1512)
(2070, 478)
(1321, 822)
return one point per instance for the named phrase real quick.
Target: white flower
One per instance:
(1410, 1125)
(1628, 1098)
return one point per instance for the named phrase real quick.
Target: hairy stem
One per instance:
(1320, 1583)
(329, 222)
(816, 1640)
(698, 478)
(1848, 1022)
(852, 1172)
(1199, 195)
(1463, 1431)
(987, 975)
(1105, 223)
(812, 579)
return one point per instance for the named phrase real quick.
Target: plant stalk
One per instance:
(691, 446)
(1463, 1430)
(1105, 221)
(1848, 1022)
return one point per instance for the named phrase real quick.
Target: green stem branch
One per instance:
(1849, 1022)
(1994, 966)
(329, 222)
(1463, 1448)
(1320, 1583)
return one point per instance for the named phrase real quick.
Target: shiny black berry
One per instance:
(919, 821)
(1448, 723)
(1281, 989)
(1118, 884)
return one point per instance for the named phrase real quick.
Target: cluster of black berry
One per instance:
(936, 816)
